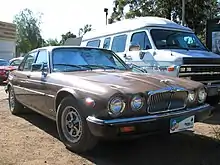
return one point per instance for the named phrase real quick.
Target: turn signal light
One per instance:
(170, 69)
(127, 129)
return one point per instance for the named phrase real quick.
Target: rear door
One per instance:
(20, 80)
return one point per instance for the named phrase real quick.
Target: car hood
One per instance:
(7, 67)
(129, 82)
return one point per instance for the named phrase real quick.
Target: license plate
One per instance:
(181, 124)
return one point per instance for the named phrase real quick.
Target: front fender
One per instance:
(68, 90)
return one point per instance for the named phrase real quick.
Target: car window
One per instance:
(3, 63)
(27, 62)
(15, 63)
(141, 39)
(106, 43)
(118, 43)
(83, 59)
(94, 43)
(41, 57)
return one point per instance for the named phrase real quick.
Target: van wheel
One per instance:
(72, 127)
(14, 106)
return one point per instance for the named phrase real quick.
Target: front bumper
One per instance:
(145, 124)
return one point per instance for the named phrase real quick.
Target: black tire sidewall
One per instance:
(87, 140)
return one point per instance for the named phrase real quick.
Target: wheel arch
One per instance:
(62, 93)
(8, 86)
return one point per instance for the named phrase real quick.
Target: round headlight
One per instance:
(137, 103)
(116, 106)
(191, 96)
(201, 95)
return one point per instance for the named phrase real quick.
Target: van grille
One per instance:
(201, 69)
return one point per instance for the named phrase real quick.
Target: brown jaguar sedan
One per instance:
(91, 93)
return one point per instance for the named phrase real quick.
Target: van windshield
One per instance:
(173, 39)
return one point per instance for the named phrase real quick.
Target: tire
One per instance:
(85, 141)
(14, 106)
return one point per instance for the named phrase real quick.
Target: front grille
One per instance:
(201, 69)
(200, 73)
(167, 101)
(178, 100)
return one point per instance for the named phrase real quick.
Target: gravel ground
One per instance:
(32, 139)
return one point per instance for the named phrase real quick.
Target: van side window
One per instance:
(94, 43)
(106, 43)
(118, 43)
(141, 39)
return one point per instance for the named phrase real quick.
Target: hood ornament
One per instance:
(167, 81)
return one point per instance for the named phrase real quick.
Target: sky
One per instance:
(60, 16)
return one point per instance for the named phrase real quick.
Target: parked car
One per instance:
(91, 93)
(5, 68)
(15, 61)
(160, 46)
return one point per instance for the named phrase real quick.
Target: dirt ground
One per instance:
(32, 140)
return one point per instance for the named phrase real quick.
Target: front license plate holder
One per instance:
(182, 123)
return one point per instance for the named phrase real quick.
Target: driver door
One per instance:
(140, 50)
(38, 83)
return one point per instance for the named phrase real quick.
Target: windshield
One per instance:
(15, 62)
(75, 59)
(3, 63)
(172, 39)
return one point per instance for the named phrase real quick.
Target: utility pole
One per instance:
(183, 12)
(106, 15)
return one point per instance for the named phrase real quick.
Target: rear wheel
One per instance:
(72, 127)
(14, 106)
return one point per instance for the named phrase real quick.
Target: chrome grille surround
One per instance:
(171, 98)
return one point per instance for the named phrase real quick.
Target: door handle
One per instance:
(28, 76)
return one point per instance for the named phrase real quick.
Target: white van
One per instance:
(160, 46)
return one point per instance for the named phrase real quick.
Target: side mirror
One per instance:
(135, 68)
(36, 67)
(39, 67)
(134, 47)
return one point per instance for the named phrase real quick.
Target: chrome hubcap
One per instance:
(11, 100)
(71, 124)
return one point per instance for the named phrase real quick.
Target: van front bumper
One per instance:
(144, 124)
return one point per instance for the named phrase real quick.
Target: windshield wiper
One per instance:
(112, 67)
(98, 66)
(197, 46)
(77, 66)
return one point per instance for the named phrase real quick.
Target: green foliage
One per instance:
(196, 11)
(85, 29)
(66, 36)
(51, 42)
(28, 31)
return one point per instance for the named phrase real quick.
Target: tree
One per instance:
(51, 42)
(28, 31)
(85, 29)
(197, 12)
(66, 36)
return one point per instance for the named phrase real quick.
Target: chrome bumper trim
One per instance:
(147, 118)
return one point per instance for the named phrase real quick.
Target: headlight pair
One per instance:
(201, 95)
(117, 105)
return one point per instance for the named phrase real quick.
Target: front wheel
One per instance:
(72, 127)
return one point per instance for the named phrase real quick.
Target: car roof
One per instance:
(50, 48)
(3, 60)
(132, 24)
(16, 58)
